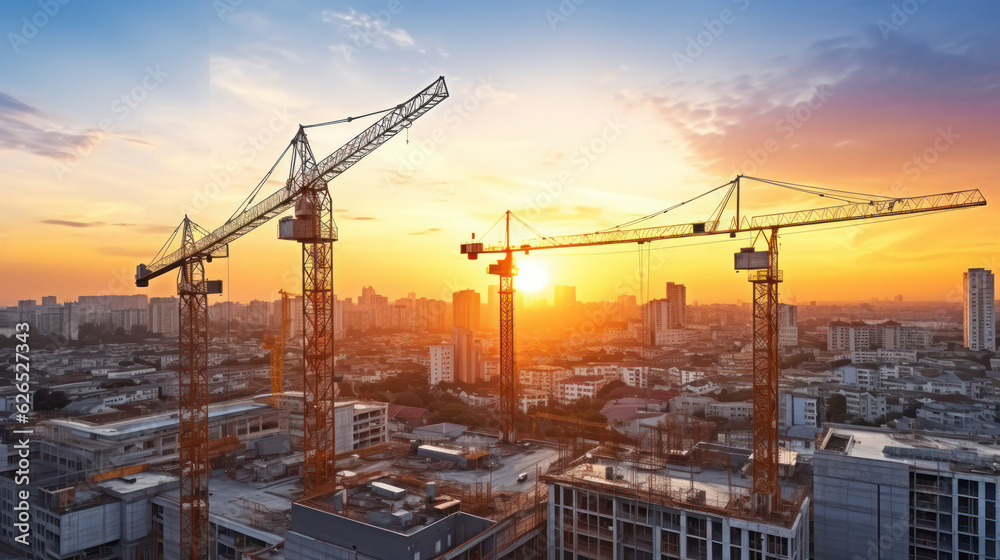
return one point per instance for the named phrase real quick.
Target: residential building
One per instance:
(690, 404)
(442, 368)
(597, 368)
(164, 314)
(543, 377)
(564, 296)
(466, 311)
(634, 375)
(978, 316)
(796, 409)
(867, 405)
(788, 325)
(730, 410)
(531, 398)
(677, 300)
(576, 387)
(359, 425)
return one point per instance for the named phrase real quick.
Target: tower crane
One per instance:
(276, 344)
(763, 273)
(313, 227)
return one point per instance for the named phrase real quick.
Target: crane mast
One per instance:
(306, 189)
(277, 345)
(763, 274)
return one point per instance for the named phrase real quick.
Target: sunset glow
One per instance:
(570, 133)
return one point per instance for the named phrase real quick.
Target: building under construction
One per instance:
(610, 504)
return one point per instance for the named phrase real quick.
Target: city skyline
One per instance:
(821, 97)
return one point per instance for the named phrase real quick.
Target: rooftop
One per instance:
(153, 422)
(920, 449)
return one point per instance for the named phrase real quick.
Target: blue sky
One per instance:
(184, 88)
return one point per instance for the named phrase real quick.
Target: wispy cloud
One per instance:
(26, 128)
(70, 223)
(142, 228)
(426, 231)
(362, 27)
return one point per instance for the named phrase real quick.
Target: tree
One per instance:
(836, 407)
(46, 399)
(602, 395)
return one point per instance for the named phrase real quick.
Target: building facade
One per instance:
(901, 496)
(978, 314)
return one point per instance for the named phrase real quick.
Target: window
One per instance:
(697, 549)
(968, 487)
(696, 527)
(777, 545)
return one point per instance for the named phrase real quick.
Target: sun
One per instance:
(532, 277)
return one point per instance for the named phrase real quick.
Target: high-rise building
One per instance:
(465, 311)
(164, 315)
(666, 314)
(978, 319)
(60, 320)
(676, 297)
(627, 309)
(442, 364)
(49, 300)
(492, 318)
(27, 310)
(565, 296)
(788, 325)
(857, 336)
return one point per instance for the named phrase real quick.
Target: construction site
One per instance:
(337, 485)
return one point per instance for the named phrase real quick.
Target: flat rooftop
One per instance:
(137, 482)
(153, 422)
(260, 509)
(921, 449)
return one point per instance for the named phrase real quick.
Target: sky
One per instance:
(120, 118)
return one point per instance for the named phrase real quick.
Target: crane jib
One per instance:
(326, 170)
